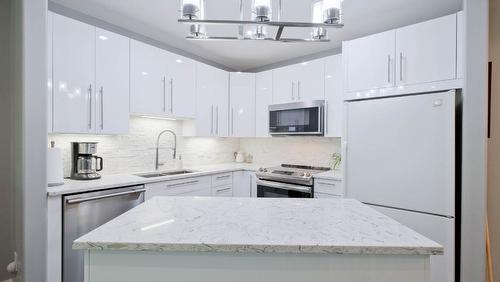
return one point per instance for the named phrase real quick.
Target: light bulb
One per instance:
(192, 9)
(261, 10)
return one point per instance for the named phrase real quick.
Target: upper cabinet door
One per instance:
(148, 81)
(220, 86)
(74, 75)
(427, 52)
(112, 82)
(242, 109)
(370, 62)
(310, 80)
(263, 98)
(333, 91)
(181, 86)
(204, 124)
(284, 85)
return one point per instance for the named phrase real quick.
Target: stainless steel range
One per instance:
(287, 181)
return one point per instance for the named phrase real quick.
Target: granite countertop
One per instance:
(250, 225)
(120, 180)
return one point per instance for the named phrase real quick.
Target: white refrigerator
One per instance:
(400, 159)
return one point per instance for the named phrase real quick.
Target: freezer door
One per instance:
(436, 228)
(401, 152)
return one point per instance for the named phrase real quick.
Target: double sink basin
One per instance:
(165, 173)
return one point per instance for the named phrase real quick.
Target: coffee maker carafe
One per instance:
(84, 163)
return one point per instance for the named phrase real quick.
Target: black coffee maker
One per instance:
(84, 163)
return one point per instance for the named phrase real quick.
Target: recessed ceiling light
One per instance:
(102, 37)
(178, 61)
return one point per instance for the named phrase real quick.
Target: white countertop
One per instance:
(330, 175)
(120, 180)
(204, 224)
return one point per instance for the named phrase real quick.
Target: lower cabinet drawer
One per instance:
(223, 191)
(222, 179)
(199, 186)
(331, 187)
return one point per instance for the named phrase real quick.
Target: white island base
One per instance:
(124, 266)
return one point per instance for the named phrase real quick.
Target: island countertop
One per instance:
(257, 225)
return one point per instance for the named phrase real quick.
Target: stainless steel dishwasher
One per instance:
(87, 211)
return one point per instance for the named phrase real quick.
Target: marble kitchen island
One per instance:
(250, 239)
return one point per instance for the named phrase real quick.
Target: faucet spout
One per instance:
(174, 149)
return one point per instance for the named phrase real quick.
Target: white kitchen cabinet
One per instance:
(427, 52)
(284, 84)
(310, 78)
(369, 62)
(181, 100)
(324, 187)
(212, 103)
(112, 87)
(242, 105)
(199, 186)
(263, 98)
(299, 82)
(147, 79)
(334, 96)
(73, 76)
(242, 184)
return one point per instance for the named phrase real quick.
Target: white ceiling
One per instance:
(157, 19)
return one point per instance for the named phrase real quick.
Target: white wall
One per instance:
(315, 151)
(135, 152)
(474, 142)
(494, 141)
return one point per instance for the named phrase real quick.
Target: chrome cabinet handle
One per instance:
(298, 90)
(87, 199)
(90, 107)
(328, 184)
(171, 95)
(293, 90)
(163, 94)
(223, 177)
(389, 69)
(182, 184)
(223, 190)
(217, 120)
(212, 120)
(101, 94)
(401, 57)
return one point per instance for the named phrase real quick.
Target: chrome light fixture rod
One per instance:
(253, 23)
(231, 38)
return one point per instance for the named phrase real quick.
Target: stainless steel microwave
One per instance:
(303, 118)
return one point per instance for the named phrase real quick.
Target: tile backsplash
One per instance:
(135, 152)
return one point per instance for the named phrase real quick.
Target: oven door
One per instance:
(272, 189)
(304, 118)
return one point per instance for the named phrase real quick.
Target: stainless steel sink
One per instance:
(165, 173)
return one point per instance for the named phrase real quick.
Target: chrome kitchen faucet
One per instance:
(157, 164)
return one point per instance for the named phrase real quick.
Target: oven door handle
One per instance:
(284, 186)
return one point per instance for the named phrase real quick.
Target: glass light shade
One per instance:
(193, 9)
(259, 32)
(318, 33)
(261, 10)
(197, 31)
(331, 11)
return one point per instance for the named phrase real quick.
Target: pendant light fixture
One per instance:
(325, 14)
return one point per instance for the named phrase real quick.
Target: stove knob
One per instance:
(307, 174)
(262, 169)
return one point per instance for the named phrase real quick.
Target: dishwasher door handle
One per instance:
(93, 198)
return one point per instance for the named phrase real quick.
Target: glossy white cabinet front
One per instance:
(370, 62)
(427, 51)
(112, 77)
(147, 79)
(74, 76)
(242, 105)
(263, 98)
(212, 103)
(333, 95)
(181, 86)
